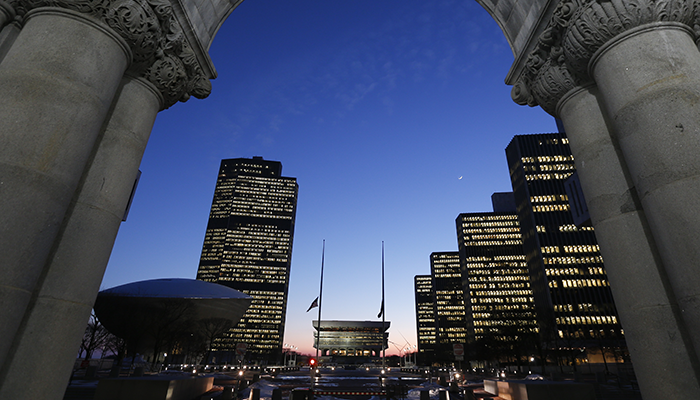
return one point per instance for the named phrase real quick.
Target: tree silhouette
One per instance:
(95, 337)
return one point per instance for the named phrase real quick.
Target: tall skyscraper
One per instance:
(575, 308)
(450, 313)
(248, 247)
(425, 319)
(499, 301)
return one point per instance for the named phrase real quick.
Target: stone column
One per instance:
(9, 26)
(56, 319)
(57, 84)
(8, 35)
(645, 302)
(68, 157)
(649, 78)
(639, 170)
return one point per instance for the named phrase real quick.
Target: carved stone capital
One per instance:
(597, 22)
(552, 82)
(547, 76)
(579, 28)
(7, 12)
(160, 51)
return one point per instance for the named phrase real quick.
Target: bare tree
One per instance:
(212, 328)
(94, 338)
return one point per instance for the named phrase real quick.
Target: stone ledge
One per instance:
(540, 390)
(153, 388)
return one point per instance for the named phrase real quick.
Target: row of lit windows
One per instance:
(496, 258)
(491, 230)
(442, 256)
(499, 285)
(574, 228)
(576, 283)
(586, 307)
(564, 271)
(489, 217)
(550, 198)
(587, 248)
(535, 177)
(502, 322)
(497, 224)
(515, 268)
(550, 207)
(523, 315)
(503, 307)
(573, 260)
(557, 167)
(256, 215)
(495, 243)
(587, 320)
(488, 300)
(494, 236)
(500, 278)
(492, 293)
(446, 275)
(449, 307)
(542, 159)
(255, 268)
(453, 329)
(550, 249)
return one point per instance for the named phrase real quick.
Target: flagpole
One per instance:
(320, 302)
(383, 315)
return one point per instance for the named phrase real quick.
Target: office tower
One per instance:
(500, 306)
(575, 308)
(425, 319)
(248, 247)
(450, 315)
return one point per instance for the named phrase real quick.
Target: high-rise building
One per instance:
(425, 319)
(248, 247)
(450, 313)
(575, 308)
(500, 306)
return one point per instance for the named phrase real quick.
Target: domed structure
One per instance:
(157, 315)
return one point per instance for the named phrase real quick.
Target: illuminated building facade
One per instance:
(248, 247)
(351, 342)
(575, 308)
(425, 318)
(450, 313)
(500, 304)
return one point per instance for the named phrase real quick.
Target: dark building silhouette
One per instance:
(500, 305)
(425, 319)
(575, 308)
(448, 295)
(503, 202)
(248, 247)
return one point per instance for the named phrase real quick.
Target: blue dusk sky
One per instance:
(392, 115)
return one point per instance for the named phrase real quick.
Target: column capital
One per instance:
(596, 22)
(7, 11)
(576, 30)
(161, 53)
(547, 75)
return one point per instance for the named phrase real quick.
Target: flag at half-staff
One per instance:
(314, 304)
